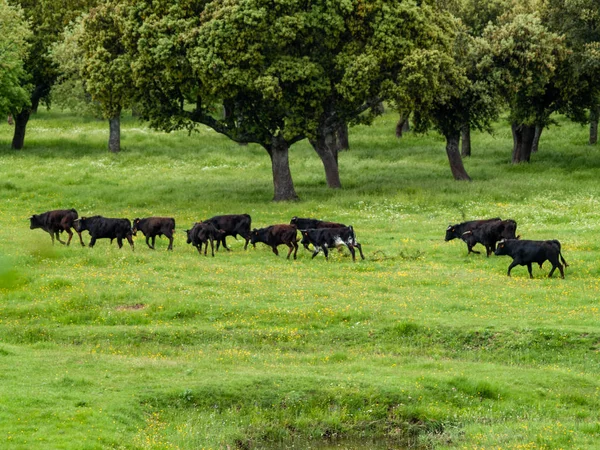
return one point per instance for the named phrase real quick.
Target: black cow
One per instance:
(232, 225)
(326, 238)
(524, 253)
(155, 226)
(489, 233)
(307, 223)
(102, 227)
(276, 235)
(201, 234)
(55, 222)
(457, 230)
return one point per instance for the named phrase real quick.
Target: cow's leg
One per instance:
(212, 247)
(51, 236)
(295, 244)
(59, 239)
(148, 243)
(80, 238)
(153, 242)
(92, 242)
(246, 244)
(274, 247)
(120, 242)
(512, 264)
(316, 251)
(68, 230)
(170, 237)
(326, 252)
(359, 247)
(352, 252)
(130, 240)
(529, 270)
(199, 248)
(470, 247)
(562, 272)
(291, 247)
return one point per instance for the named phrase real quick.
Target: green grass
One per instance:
(418, 346)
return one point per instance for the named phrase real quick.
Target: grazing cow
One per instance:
(155, 226)
(203, 233)
(231, 225)
(326, 238)
(457, 230)
(276, 235)
(56, 221)
(524, 253)
(102, 227)
(489, 233)
(306, 224)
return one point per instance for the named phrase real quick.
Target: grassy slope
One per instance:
(105, 348)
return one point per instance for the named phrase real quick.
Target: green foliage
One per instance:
(14, 34)
(418, 346)
(70, 92)
(527, 62)
(105, 64)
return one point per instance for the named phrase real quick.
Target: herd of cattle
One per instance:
(490, 232)
(322, 235)
(496, 235)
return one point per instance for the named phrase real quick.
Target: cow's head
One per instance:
(135, 223)
(450, 232)
(189, 236)
(501, 248)
(34, 222)
(80, 224)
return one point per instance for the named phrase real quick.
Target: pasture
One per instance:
(417, 346)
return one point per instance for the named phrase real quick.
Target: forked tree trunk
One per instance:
(402, 126)
(326, 147)
(536, 138)
(342, 138)
(465, 134)
(454, 158)
(594, 116)
(21, 120)
(282, 177)
(114, 139)
(523, 136)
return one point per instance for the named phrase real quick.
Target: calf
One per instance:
(232, 225)
(155, 226)
(524, 253)
(55, 222)
(489, 233)
(306, 224)
(325, 238)
(276, 235)
(102, 227)
(201, 234)
(457, 230)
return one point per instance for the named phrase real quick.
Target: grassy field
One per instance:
(418, 346)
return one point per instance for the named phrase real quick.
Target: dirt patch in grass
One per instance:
(131, 307)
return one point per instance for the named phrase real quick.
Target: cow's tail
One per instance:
(562, 259)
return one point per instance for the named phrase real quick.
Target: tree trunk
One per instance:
(536, 138)
(403, 125)
(21, 120)
(326, 147)
(282, 177)
(114, 139)
(523, 136)
(594, 116)
(456, 163)
(465, 135)
(342, 138)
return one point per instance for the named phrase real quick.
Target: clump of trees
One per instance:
(277, 73)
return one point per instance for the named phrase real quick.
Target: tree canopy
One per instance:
(14, 36)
